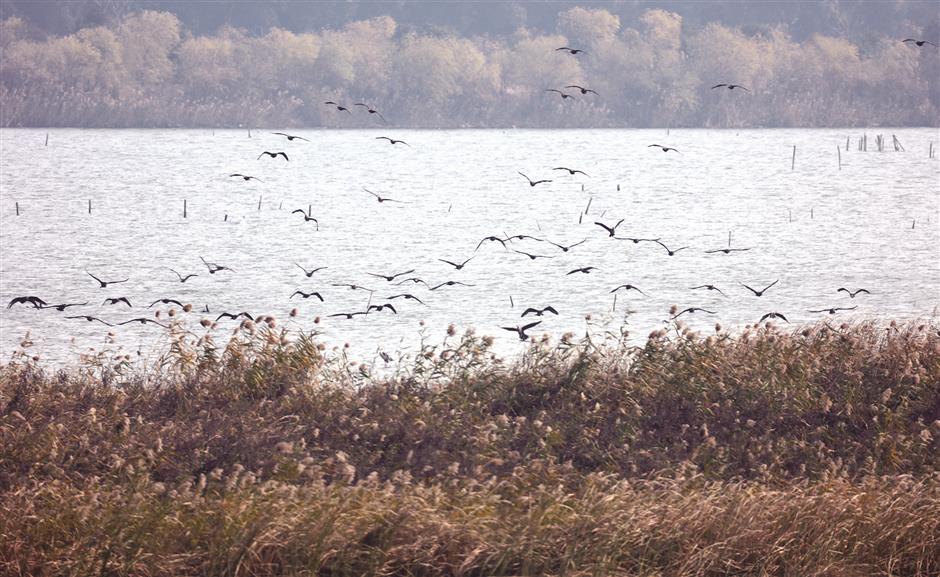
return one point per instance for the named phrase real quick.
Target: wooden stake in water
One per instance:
(89, 206)
(184, 208)
(47, 139)
(259, 201)
(225, 219)
(913, 222)
(811, 217)
(280, 206)
(839, 151)
(309, 210)
(729, 238)
(511, 304)
(249, 133)
(17, 209)
(614, 308)
(789, 215)
(793, 160)
(846, 143)
(588, 207)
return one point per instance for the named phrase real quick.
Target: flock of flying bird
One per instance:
(402, 278)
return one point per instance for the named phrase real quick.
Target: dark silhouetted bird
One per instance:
(339, 107)
(103, 283)
(918, 42)
(664, 148)
(381, 198)
(114, 301)
(491, 239)
(853, 294)
(406, 296)
(761, 292)
(539, 312)
(348, 315)
(581, 88)
(669, 251)
(390, 278)
(629, 287)
(166, 302)
(773, 316)
(144, 321)
(290, 137)
(691, 310)
(307, 295)
(183, 278)
(64, 306)
(532, 256)
(380, 308)
(726, 250)
(710, 287)
(370, 110)
(521, 330)
(561, 94)
(571, 171)
(307, 218)
(310, 273)
(274, 155)
(392, 140)
(246, 177)
(568, 247)
(449, 283)
(611, 230)
(584, 269)
(730, 87)
(213, 267)
(534, 182)
(834, 310)
(36, 302)
(570, 50)
(90, 319)
(457, 266)
(234, 317)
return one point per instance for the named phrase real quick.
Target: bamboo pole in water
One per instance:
(184, 208)
(793, 159)
(89, 206)
(839, 152)
(17, 209)
(259, 201)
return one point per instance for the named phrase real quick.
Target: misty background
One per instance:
(135, 63)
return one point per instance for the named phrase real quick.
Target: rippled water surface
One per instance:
(872, 224)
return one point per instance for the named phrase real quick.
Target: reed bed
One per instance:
(810, 451)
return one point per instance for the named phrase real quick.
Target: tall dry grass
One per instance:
(801, 452)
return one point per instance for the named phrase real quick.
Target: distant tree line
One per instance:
(146, 69)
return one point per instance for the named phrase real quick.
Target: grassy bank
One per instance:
(807, 452)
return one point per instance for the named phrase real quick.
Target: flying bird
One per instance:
(534, 182)
(406, 296)
(307, 218)
(339, 107)
(918, 42)
(370, 110)
(833, 310)
(213, 267)
(540, 312)
(456, 265)
(382, 198)
(290, 137)
(611, 230)
(491, 239)
(521, 330)
(234, 317)
(726, 250)
(669, 251)
(566, 248)
(852, 294)
(310, 273)
(166, 302)
(532, 256)
(730, 87)
(104, 284)
(581, 88)
(773, 316)
(570, 50)
(762, 291)
(710, 287)
(664, 148)
(306, 295)
(629, 287)
(183, 278)
(390, 278)
(274, 154)
(37, 302)
(353, 287)
(245, 176)
(449, 283)
(571, 171)
(691, 310)
(562, 94)
(63, 306)
(90, 319)
(392, 140)
(413, 280)
(584, 269)
(143, 321)
(638, 240)
(380, 308)
(347, 315)
(114, 301)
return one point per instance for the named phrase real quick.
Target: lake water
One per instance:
(815, 228)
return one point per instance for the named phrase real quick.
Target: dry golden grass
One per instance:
(810, 452)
